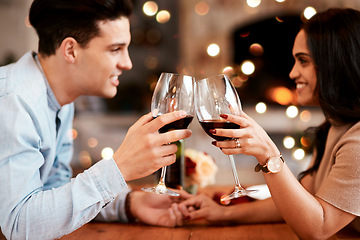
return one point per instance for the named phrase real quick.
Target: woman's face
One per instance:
(303, 71)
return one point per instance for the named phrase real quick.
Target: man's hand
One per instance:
(144, 150)
(155, 209)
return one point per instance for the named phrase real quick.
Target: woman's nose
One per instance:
(293, 73)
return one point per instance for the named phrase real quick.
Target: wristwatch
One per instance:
(273, 165)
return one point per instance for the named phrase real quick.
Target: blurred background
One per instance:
(249, 40)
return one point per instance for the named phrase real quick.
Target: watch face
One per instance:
(274, 164)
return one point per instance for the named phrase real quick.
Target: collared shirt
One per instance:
(38, 198)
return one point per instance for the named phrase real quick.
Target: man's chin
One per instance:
(109, 94)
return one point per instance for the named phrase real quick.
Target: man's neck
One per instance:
(56, 71)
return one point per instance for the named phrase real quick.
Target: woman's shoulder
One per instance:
(345, 130)
(353, 130)
(349, 144)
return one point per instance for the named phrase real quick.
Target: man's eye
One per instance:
(115, 50)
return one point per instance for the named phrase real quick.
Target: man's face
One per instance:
(104, 58)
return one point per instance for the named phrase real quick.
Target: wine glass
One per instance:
(216, 95)
(173, 92)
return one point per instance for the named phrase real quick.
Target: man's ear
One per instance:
(68, 49)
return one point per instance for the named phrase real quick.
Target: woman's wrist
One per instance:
(227, 215)
(266, 154)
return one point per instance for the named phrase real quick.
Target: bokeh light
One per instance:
(253, 3)
(309, 12)
(256, 49)
(292, 111)
(72, 134)
(288, 142)
(107, 153)
(281, 95)
(213, 50)
(248, 67)
(238, 81)
(92, 142)
(260, 107)
(306, 142)
(202, 8)
(151, 62)
(279, 19)
(163, 16)
(298, 154)
(305, 116)
(85, 159)
(228, 71)
(150, 8)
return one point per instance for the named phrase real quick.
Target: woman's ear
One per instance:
(68, 49)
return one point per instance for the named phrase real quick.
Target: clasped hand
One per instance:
(168, 211)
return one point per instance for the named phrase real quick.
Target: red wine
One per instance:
(207, 125)
(175, 173)
(178, 124)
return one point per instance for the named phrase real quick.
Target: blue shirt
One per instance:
(38, 198)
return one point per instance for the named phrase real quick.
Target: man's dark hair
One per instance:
(55, 20)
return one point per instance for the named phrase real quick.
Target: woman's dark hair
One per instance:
(333, 39)
(55, 20)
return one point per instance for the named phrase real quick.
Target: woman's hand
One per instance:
(202, 207)
(144, 150)
(250, 139)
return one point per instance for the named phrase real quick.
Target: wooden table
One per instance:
(198, 231)
(105, 231)
(140, 231)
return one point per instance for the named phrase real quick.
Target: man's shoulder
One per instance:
(21, 77)
(4, 82)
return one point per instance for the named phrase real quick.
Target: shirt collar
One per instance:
(53, 103)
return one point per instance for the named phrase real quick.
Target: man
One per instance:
(83, 49)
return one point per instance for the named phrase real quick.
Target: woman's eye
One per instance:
(303, 61)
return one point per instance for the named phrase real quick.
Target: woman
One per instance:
(326, 199)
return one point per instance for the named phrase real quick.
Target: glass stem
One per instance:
(233, 168)
(162, 176)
